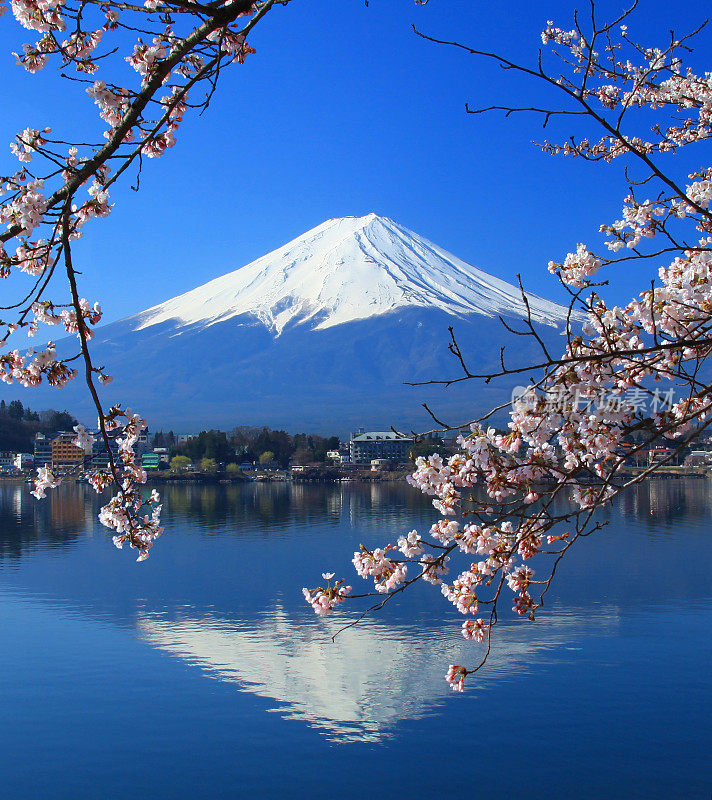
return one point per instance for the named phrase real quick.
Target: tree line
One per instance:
(19, 425)
(245, 443)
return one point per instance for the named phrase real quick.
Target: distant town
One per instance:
(29, 440)
(46, 439)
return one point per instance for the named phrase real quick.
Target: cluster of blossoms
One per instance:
(26, 210)
(434, 568)
(324, 599)
(156, 146)
(146, 58)
(27, 142)
(28, 369)
(410, 544)
(578, 267)
(475, 630)
(83, 440)
(46, 479)
(123, 513)
(386, 574)
(233, 44)
(45, 312)
(508, 498)
(455, 676)
(33, 258)
(113, 104)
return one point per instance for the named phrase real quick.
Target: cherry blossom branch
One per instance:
(172, 62)
(526, 496)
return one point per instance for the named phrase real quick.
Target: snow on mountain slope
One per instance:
(326, 334)
(344, 270)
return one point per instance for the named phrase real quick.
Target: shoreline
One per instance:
(330, 476)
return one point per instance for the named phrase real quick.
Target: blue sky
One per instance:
(343, 110)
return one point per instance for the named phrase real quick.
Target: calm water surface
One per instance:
(201, 673)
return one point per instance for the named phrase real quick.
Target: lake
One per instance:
(201, 673)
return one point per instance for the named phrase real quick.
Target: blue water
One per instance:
(201, 673)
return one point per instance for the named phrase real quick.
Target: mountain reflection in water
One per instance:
(370, 677)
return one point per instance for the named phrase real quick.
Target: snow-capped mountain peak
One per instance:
(344, 270)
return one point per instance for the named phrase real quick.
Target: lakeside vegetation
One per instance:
(249, 444)
(20, 424)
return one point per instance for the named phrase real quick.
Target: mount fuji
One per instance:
(321, 334)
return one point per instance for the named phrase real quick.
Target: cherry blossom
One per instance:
(455, 676)
(46, 479)
(410, 545)
(84, 440)
(324, 600)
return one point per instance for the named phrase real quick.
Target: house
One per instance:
(698, 458)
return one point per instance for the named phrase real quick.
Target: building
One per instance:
(163, 453)
(143, 444)
(7, 460)
(657, 455)
(65, 454)
(24, 460)
(99, 452)
(151, 460)
(43, 450)
(340, 456)
(367, 446)
(698, 458)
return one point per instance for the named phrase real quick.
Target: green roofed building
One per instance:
(150, 460)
